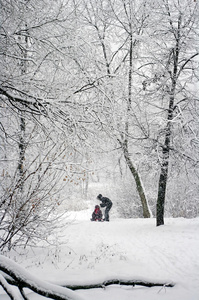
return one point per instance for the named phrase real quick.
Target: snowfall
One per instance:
(86, 252)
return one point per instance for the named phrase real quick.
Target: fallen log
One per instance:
(118, 282)
(16, 275)
(107, 283)
(23, 279)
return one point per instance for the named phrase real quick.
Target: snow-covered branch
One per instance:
(33, 105)
(25, 279)
(7, 288)
(132, 282)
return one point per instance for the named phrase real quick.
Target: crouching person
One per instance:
(97, 214)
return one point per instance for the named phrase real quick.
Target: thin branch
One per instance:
(186, 62)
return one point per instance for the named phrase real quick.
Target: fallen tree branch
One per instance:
(6, 288)
(118, 282)
(107, 283)
(15, 275)
(24, 279)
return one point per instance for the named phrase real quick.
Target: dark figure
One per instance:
(106, 202)
(97, 214)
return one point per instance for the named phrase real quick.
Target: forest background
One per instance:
(97, 97)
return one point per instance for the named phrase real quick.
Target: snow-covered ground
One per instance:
(92, 252)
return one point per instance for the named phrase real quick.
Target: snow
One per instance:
(32, 280)
(134, 249)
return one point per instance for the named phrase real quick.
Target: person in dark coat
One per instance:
(106, 202)
(97, 214)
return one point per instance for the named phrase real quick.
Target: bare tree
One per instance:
(169, 73)
(144, 68)
(117, 27)
(37, 83)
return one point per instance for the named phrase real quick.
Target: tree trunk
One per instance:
(165, 165)
(165, 162)
(134, 172)
(166, 146)
(162, 190)
(139, 186)
(21, 149)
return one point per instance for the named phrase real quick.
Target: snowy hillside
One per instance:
(92, 252)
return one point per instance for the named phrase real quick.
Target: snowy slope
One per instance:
(92, 252)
